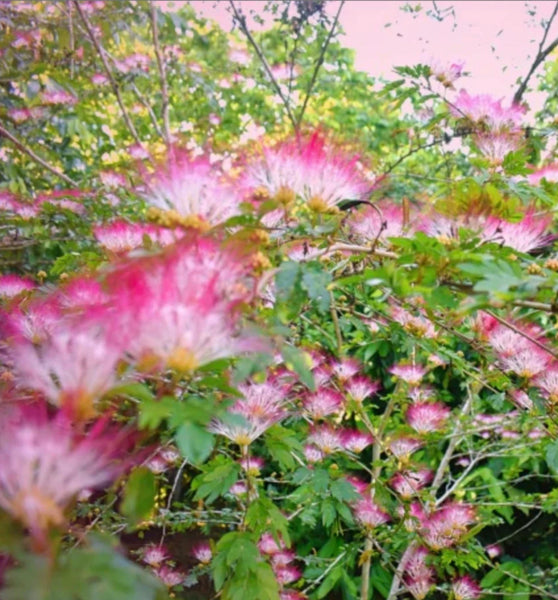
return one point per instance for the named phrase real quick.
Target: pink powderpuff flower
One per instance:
(138, 152)
(403, 447)
(494, 551)
(485, 111)
(313, 454)
(418, 325)
(355, 441)
(496, 146)
(346, 368)
(547, 383)
(76, 365)
(44, 464)
(322, 403)
(320, 174)
(240, 489)
(270, 545)
(19, 115)
(302, 252)
(13, 285)
(359, 485)
(446, 72)
(291, 595)
(193, 188)
(112, 179)
(412, 516)
(121, 236)
(286, 574)
(261, 407)
(282, 558)
(154, 554)
(326, 439)
(465, 588)
(33, 321)
(99, 79)
(419, 576)
(80, 293)
(548, 172)
(361, 387)
(58, 97)
(527, 235)
(369, 514)
(322, 376)
(408, 483)
(384, 221)
(157, 464)
(169, 576)
(425, 417)
(252, 464)
(527, 363)
(411, 374)
(202, 553)
(447, 525)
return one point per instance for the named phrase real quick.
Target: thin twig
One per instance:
(241, 20)
(113, 83)
(319, 63)
(41, 161)
(149, 109)
(72, 40)
(162, 75)
(539, 58)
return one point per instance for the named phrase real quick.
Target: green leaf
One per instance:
(194, 442)
(328, 512)
(315, 281)
(218, 477)
(551, 455)
(299, 361)
(139, 495)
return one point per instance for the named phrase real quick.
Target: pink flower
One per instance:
(13, 285)
(282, 558)
(270, 545)
(361, 387)
(169, 576)
(44, 464)
(527, 363)
(99, 79)
(58, 97)
(465, 588)
(484, 110)
(138, 152)
(81, 292)
(425, 417)
(291, 595)
(326, 439)
(313, 454)
(386, 220)
(252, 464)
(203, 553)
(346, 368)
(494, 550)
(447, 525)
(527, 235)
(153, 555)
(75, 364)
(356, 441)
(322, 403)
(286, 574)
(419, 325)
(412, 374)
(112, 179)
(497, 145)
(318, 173)
(193, 188)
(445, 72)
(121, 236)
(418, 576)
(369, 514)
(548, 172)
(262, 406)
(403, 447)
(547, 382)
(408, 483)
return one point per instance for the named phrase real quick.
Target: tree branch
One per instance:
(113, 83)
(41, 161)
(162, 75)
(241, 20)
(318, 65)
(539, 58)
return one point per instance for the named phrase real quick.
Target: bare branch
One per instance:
(241, 20)
(41, 161)
(113, 83)
(318, 65)
(539, 58)
(162, 75)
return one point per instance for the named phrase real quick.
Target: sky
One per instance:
(497, 40)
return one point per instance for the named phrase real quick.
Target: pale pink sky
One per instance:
(497, 40)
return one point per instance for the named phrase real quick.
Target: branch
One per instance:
(318, 65)
(113, 83)
(539, 58)
(41, 161)
(72, 41)
(147, 106)
(241, 20)
(162, 75)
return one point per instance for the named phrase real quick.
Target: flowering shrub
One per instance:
(251, 347)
